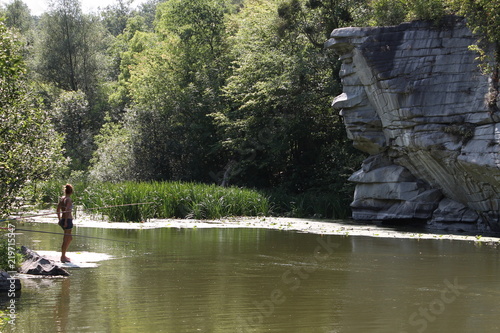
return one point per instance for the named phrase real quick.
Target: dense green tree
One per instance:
(113, 159)
(388, 12)
(30, 149)
(115, 16)
(200, 30)
(72, 118)
(281, 130)
(134, 39)
(392, 12)
(175, 82)
(18, 16)
(70, 49)
(59, 45)
(70, 54)
(147, 10)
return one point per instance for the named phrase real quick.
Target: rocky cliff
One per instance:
(417, 102)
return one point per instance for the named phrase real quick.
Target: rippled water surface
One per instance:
(257, 280)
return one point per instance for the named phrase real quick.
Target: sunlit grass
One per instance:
(140, 201)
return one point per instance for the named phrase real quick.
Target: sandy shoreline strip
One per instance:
(314, 226)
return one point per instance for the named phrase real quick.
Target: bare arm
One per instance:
(59, 205)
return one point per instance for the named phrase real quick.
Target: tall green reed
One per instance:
(171, 200)
(311, 204)
(194, 200)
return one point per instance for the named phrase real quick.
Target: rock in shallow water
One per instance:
(35, 264)
(8, 283)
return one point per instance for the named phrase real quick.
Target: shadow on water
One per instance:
(419, 226)
(258, 280)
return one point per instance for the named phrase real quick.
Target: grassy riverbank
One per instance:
(190, 200)
(162, 200)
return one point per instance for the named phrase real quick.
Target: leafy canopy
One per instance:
(30, 149)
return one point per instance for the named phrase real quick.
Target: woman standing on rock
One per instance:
(64, 214)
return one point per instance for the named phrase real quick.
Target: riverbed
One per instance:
(262, 275)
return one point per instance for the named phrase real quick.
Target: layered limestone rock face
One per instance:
(417, 102)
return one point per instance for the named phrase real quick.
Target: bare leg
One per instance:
(66, 241)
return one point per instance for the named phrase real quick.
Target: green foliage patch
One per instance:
(30, 149)
(5, 256)
(393, 12)
(164, 200)
(4, 319)
(194, 200)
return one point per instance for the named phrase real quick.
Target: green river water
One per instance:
(259, 280)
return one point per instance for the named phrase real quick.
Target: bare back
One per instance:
(65, 207)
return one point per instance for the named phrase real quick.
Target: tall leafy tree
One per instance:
(175, 84)
(70, 54)
(281, 129)
(115, 16)
(147, 10)
(113, 159)
(133, 40)
(18, 16)
(30, 149)
(71, 116)
(70, 50)
(60, 47)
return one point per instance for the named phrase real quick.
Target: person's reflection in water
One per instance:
(61, 311)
